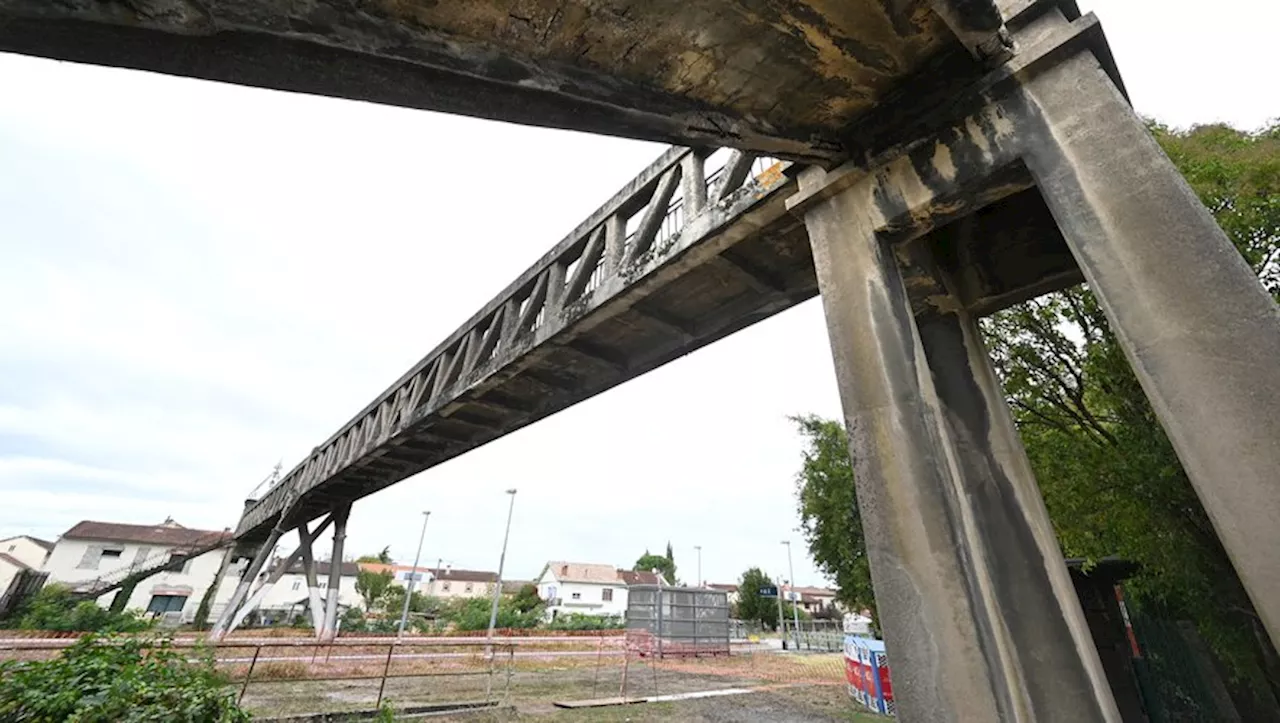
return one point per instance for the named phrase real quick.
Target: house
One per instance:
(812, 600)
(21, 553)
(444, 582)
(448, 582)
(290, 597)
(91, 552)
(591, 589)
(30, 551)
(731, 591)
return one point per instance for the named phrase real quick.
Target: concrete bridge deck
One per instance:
(952, 157)
(783, 78)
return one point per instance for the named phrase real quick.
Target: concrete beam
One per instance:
(1202, 334)
(977, 607)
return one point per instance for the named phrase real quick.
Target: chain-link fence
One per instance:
(281, 677)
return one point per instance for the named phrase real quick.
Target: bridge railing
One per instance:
(638, 224)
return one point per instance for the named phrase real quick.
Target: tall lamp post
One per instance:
(413, 575)
(795, 614)
(497, 588)
(699, 549)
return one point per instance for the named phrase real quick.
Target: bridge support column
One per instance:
(339, 516)
(228, 614)
(309, 570)
(980, 616)
(1201, 333)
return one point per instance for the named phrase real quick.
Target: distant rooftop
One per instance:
(165, 533)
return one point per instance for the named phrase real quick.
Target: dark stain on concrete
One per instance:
(1019, 580)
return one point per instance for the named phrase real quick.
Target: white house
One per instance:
(289, 596)
(30, 551)
(92, 551)
(443, 582)
(590, 589)
(21, 553)
(730, 590)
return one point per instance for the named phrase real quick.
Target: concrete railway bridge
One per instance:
(917, 163)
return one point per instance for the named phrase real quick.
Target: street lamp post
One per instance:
(699, 549)
(782, 620)
(413, 574)
(795, 614)
(497, 588)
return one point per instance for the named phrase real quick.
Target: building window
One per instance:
(576, 595)
(297, 584)
(607, 594)
(161, 604)
(468, 587)
(445, 587)
(324, 584)
(112, 553)
(13, 547)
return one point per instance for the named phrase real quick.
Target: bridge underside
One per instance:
(921, 211)
(786, 78)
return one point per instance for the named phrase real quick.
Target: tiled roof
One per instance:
(631, 577)
(721, 586)
(15, 562)
(447, 574)
(43, 543)
(816, 591)
(349, 569)
(583, 572)
(163, 534)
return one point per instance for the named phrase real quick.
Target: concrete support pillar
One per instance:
(339, 516)
(1202, 334)
(980, 617)
(224, 624)
(314, 605)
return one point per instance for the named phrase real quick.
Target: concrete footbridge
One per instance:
(917, 163)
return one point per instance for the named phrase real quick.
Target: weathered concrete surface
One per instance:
(786, 77)
(1201, 333)
(976, 604)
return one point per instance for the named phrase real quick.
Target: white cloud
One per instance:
(199, 280)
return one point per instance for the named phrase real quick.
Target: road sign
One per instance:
(769, 591)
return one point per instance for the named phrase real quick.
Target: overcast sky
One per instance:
(199, 280)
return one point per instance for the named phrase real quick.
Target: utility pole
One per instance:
(497, 588)
(413, 575)
(795, 613)
(699, 549)
(782, 621)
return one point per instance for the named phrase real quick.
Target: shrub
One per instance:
(54, 608)
(103, 680)
(473, 614)
(580, 621)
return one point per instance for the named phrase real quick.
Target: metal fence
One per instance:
(285, 676)
(677, 620)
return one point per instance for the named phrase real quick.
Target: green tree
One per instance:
(526, 598)
(372, 586)
(392, 602)
(383, 557)
(829, 516)
(751, 604)
(1110, 478)
(662, 564)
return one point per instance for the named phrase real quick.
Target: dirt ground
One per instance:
(792, 704)
(784, 688)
